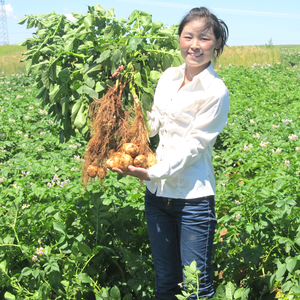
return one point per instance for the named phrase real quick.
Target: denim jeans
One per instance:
(180, 231)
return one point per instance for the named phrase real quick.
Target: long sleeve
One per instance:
(208, 123)
(188, 120)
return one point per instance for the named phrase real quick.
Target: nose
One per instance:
(195, 44)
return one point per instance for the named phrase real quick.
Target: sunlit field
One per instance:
(246, 56)
(59, 240)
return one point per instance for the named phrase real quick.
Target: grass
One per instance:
(10, 56)
(248, 55)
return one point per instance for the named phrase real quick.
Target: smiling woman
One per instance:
(190, 109)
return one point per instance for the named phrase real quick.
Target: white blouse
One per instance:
(188, 121)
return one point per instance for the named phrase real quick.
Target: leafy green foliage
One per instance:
(257, 168)
(59, 241)
(76, 60)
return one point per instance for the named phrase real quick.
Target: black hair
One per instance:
(219, 27)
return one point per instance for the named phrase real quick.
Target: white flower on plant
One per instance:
(76, 130)
(248, 148)
(31, 107)
(2, 179)
(25, 206)
(238, 216)
(18, 132)
(297, 172)
(293, 137)
(297, 149)
(37, 104)
(39, 149)
(56, 168)
(252, 121)
(257, 136)
(237, 202)
(34, 258)
(275, 126)
(73, 169)
(40, 251)
(39, 241)
(286, 121)
(49, 184)
(77, 157)
(43, 133)
(262, 144)
(287, 163)
(278, 150)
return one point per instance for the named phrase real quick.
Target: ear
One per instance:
(218, 43)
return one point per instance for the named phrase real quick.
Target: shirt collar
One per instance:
(205, 77)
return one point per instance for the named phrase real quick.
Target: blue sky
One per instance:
(253, 22)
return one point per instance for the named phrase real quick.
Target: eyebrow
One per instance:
(201, 34)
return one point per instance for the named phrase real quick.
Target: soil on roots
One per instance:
(112, 126)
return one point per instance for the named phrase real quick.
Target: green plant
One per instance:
(78, 61)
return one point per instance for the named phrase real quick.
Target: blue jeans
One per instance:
(180, 231)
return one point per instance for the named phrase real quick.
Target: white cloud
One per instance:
(70, 17)
(9, 11)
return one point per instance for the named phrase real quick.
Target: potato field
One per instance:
(64, 237)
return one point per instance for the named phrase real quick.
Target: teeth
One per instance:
(195, 55)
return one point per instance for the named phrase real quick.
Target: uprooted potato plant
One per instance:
(119, 137)
(98, 75)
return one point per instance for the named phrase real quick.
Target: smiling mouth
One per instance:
(194, 55)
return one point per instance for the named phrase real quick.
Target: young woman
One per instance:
(190, 109)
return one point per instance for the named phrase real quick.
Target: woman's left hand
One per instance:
(133, 171)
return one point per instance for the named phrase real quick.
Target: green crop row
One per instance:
(61, 241)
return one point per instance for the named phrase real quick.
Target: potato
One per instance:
(151, 160)
(110, 153)
(113, 162)
(131, 149)
(101, 172)
(92, 171)
(125, 161)
(140, 161)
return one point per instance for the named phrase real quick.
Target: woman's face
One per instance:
(197, 46)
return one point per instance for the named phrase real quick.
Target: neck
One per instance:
(190, 72)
